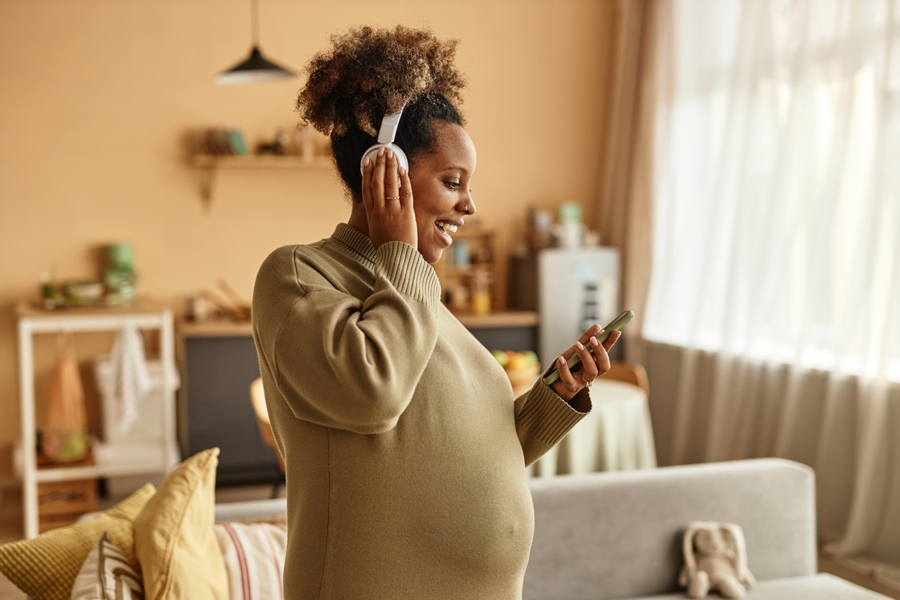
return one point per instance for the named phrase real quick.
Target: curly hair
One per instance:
(368, 73)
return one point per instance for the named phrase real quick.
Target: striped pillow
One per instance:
(107, 575)
(254, 559)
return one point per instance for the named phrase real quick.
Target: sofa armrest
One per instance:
(618, 535)
(256, 509)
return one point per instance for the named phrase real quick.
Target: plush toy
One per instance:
(715, 559)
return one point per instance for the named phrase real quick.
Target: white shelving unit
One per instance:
(31, 321)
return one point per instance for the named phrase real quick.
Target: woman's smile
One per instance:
(443, 235)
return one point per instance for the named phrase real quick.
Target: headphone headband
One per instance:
(388, 130)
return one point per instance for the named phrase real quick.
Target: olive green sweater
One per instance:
(405, 449)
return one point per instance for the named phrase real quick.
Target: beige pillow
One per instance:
(107, 575)
(174, 538)
(45, 567)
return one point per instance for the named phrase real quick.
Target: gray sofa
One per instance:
(608, 536)
(618, 535)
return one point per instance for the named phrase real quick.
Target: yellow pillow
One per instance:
(174, 538)
(45, 567)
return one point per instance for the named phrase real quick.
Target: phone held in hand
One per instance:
(614, 325)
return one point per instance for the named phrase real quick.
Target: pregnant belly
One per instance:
(469, 521)
(487, 527)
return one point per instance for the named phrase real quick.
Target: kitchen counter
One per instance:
(496, 320)
(215, 328)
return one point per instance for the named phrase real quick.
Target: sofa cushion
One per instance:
(174, 538)
(811, 587)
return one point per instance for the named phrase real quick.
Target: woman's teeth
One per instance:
(447, 226)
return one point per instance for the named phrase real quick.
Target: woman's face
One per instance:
(440, 185)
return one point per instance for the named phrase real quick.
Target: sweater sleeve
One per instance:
(351, 364)
(543, 418)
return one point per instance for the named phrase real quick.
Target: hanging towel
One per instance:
(130, 377)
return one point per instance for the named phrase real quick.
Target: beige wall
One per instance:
(97, 97)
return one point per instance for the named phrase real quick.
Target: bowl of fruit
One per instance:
(522, 368)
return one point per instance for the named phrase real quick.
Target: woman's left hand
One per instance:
(592, 365)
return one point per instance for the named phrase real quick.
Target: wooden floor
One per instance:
(827, 565)
(11, 530)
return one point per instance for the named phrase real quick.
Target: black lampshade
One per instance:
(254, 70)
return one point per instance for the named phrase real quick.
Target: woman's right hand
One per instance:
(389, 210)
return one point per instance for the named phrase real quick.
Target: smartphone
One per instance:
(615, 325)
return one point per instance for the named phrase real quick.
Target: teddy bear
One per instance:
(715, 559)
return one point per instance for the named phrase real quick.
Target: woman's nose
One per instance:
(467, 205)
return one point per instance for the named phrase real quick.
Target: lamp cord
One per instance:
(254, 21)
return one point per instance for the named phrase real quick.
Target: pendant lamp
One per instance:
(256, 68)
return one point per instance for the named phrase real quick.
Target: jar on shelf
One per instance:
(481, 293)
(459, 298)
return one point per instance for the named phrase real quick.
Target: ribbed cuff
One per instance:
(548, 416)
(581, 401)
(407, 271)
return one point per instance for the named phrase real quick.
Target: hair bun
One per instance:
(369, 72)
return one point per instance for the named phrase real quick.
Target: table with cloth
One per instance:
(617, 435)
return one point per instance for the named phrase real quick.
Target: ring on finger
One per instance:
(587, 383)
(392, 197)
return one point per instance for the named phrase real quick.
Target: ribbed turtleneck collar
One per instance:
(356, 241)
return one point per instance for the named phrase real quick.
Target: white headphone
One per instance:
(386, 135)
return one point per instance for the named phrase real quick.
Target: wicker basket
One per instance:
(522, 379)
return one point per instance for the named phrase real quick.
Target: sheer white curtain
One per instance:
(773, 316)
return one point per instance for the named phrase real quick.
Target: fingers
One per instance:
(378, 179)
(611, 340)
(593, 330)
(390, 176)
(565, 376)
(381, 180)
(368, 169)
(594, 362)
(406, 195)
(589, 365)
(600, 358)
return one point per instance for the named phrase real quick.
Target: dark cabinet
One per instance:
(216, 408)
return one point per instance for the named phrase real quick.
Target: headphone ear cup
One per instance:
(401, 156)
(372, 154)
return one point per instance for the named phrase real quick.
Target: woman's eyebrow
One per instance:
(456, 168)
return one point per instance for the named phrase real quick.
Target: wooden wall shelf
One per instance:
(263, 161)
(497, 320)
(210, 164)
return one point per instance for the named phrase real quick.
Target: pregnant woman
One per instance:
(405, 448)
